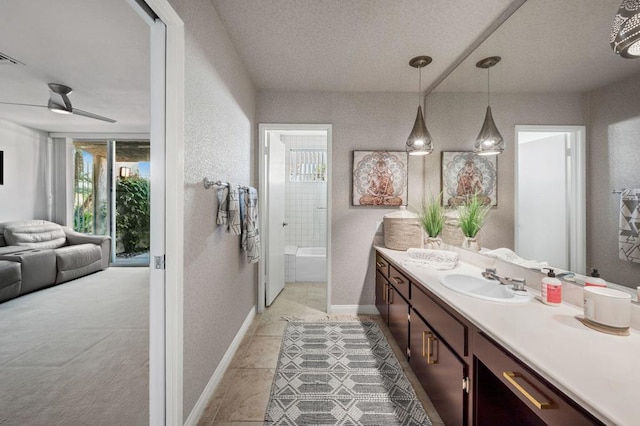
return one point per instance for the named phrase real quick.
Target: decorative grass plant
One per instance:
(432, 216)
(472, 216)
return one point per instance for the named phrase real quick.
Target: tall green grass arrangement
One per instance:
(432, 216)
(472, 216)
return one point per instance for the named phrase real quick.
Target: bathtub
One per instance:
(311, 264)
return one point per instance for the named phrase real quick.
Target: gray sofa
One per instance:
(35, 254)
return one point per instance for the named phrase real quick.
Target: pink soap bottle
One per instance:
(594, 280)
(551, 289)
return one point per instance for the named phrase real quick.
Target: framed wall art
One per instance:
(380, 178)
(465, 174)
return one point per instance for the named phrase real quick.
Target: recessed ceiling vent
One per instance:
(8, 60)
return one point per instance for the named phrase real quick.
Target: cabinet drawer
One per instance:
(382, 265)
(541, 399)
(449, 327)
(400, 282)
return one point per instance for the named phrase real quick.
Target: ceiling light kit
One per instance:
(419, 141)
(60, 103)
(489, 140)
(625, 33)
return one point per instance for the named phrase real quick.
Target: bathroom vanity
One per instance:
(490, 363)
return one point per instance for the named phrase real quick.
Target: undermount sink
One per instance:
(482, 288)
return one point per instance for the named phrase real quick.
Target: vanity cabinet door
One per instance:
(506, 390)
(382, 286)
(440, 372)
(399, 319)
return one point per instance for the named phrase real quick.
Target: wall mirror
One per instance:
(557, 69)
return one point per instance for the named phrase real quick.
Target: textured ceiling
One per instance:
(548, 46)
(99, 48)
(355, 45)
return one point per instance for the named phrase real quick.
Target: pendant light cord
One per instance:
(488, 87)
(419, 85)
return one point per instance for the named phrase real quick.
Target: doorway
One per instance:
(295, 182)
(550, 195)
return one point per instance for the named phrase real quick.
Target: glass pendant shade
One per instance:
(489, 140)
(625, 33)
(419, 141)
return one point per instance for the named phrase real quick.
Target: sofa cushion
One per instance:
(75, 261)
(10, 280)
(39, 234)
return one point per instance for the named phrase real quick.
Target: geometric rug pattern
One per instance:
(340, 373)
(629, 239)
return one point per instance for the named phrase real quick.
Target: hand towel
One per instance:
(510, 256)
(250, 231)
(223, 203)
(629, 238)
(233, 210)
(229, 208)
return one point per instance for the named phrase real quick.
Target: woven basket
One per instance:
(402, 234)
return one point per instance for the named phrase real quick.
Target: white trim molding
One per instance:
(215, 379)
(354, 309)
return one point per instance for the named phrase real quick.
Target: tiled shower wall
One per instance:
(305, 202)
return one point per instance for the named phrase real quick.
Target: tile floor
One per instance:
(243, 394)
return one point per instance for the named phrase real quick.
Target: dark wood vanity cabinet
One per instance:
(470, 379)
(441, 373)
(509, 393)
(399, 319)
(382, 287)
(382, 290)
(392, 294)
(439, 349)
(423, 329)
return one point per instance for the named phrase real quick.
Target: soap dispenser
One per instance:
(594, 280)
(551, 289)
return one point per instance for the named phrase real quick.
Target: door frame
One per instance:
(263, 209)
(166, 287)
(576, 189)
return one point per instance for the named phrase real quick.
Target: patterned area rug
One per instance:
(340, 373)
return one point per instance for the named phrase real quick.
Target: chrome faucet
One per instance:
(517, 284)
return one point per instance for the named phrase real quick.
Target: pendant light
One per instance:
(625, 33)
(489, 140)
(419, 141)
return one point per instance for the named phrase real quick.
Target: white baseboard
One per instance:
(208, 391)
(354, 309)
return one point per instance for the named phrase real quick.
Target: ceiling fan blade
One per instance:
(16, 103)
(91, 115)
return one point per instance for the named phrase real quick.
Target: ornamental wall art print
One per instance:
(380, 178)
(465, 174)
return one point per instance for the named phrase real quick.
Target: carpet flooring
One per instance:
(77, 353)
(340, 373)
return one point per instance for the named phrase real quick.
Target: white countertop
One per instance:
(599, 371)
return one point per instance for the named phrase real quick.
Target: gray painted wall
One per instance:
(25, 166)
(379, 121)
(219, 285)
(614, 163)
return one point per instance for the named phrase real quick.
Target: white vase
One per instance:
(433, 243)
(471, 244)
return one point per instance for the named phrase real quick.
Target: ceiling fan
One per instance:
(60, 103)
